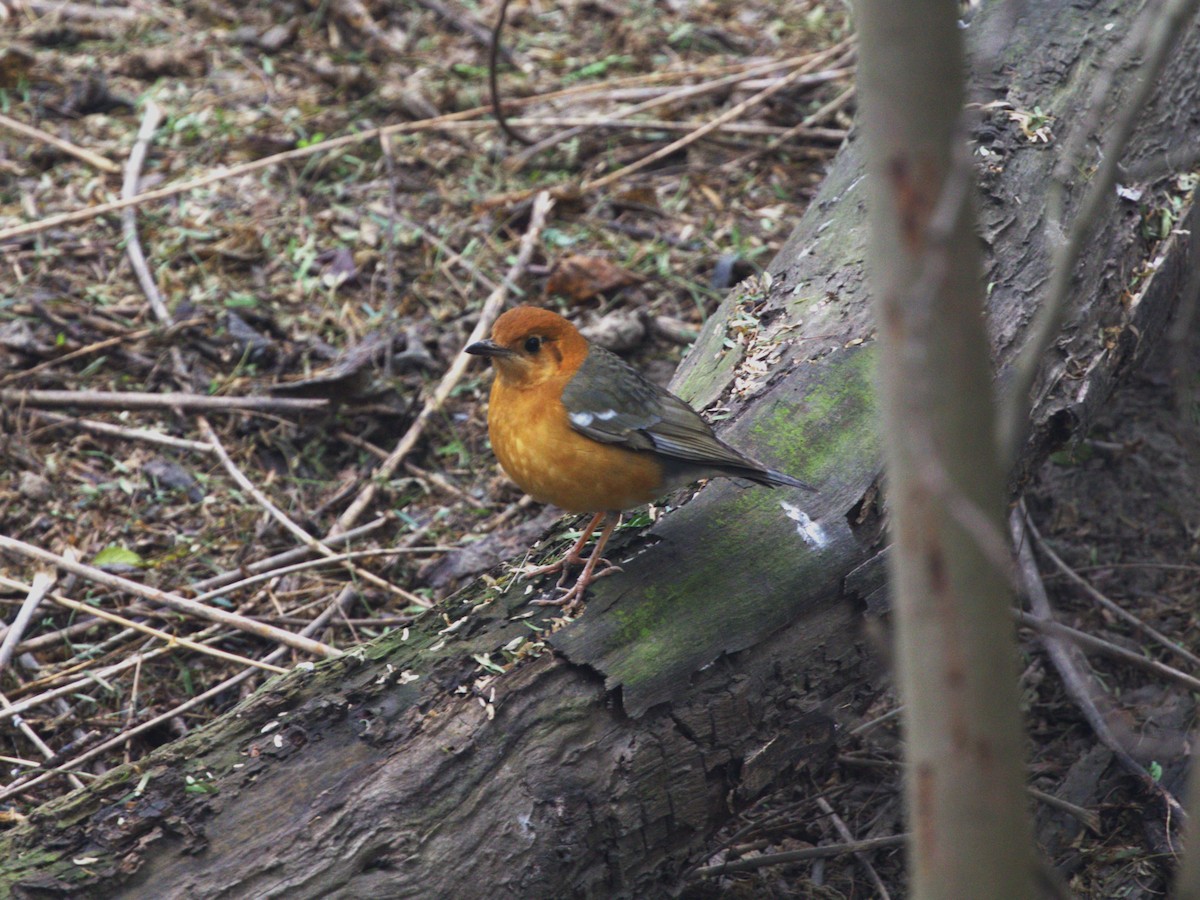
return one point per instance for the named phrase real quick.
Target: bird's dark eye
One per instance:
(533, 344)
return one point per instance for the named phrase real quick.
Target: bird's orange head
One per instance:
(530, 346)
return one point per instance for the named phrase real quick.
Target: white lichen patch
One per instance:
(808, 529)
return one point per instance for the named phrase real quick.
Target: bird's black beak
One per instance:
(489, 348)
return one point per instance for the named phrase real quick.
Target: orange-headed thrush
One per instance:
(574, 425)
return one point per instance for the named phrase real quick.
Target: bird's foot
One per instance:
(609, 569)
(564, 565)
(571, 600)
(553, 568)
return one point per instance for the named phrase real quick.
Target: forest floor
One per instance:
(301, 254)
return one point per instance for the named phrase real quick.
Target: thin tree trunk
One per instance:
(956, 646)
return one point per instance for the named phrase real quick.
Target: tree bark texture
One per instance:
(725, 656)
(955, 642)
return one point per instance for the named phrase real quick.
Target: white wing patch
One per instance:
(584, 419)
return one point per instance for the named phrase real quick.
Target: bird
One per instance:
(576, 426)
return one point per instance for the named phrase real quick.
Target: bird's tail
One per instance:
(771, 478)
(764, 476)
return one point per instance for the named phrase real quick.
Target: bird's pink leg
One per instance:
(572, 557)
(572, 599)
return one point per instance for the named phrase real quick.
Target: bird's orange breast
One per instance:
(553, 463)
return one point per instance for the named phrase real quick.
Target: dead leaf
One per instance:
(580, 278)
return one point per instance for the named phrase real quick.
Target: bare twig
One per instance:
(790, 856)
(336, 608)
(171, 639)
(1071, 667)
(861, 857)
(58, 420)
(133, 702)
(18, 761)
(336, 559)
(96, 676)
(90, 349)
(20, 786)
(95, 160)
(805, 127)
(287, 556)
(691, 91)
(493, 88)
(442, 484)
(368, 622)
(60, 636)
(124, 400)
(1108, 648)
(174, 601)
(151, 116)
(796, 77)
(584, 123)
(42, 582)
(32, 736)
(295, 530)
(1164, 567)
(389, 252)
(863, 727)
(491, 309)
(35, 592)
(1088, 818)
(1114, 608)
